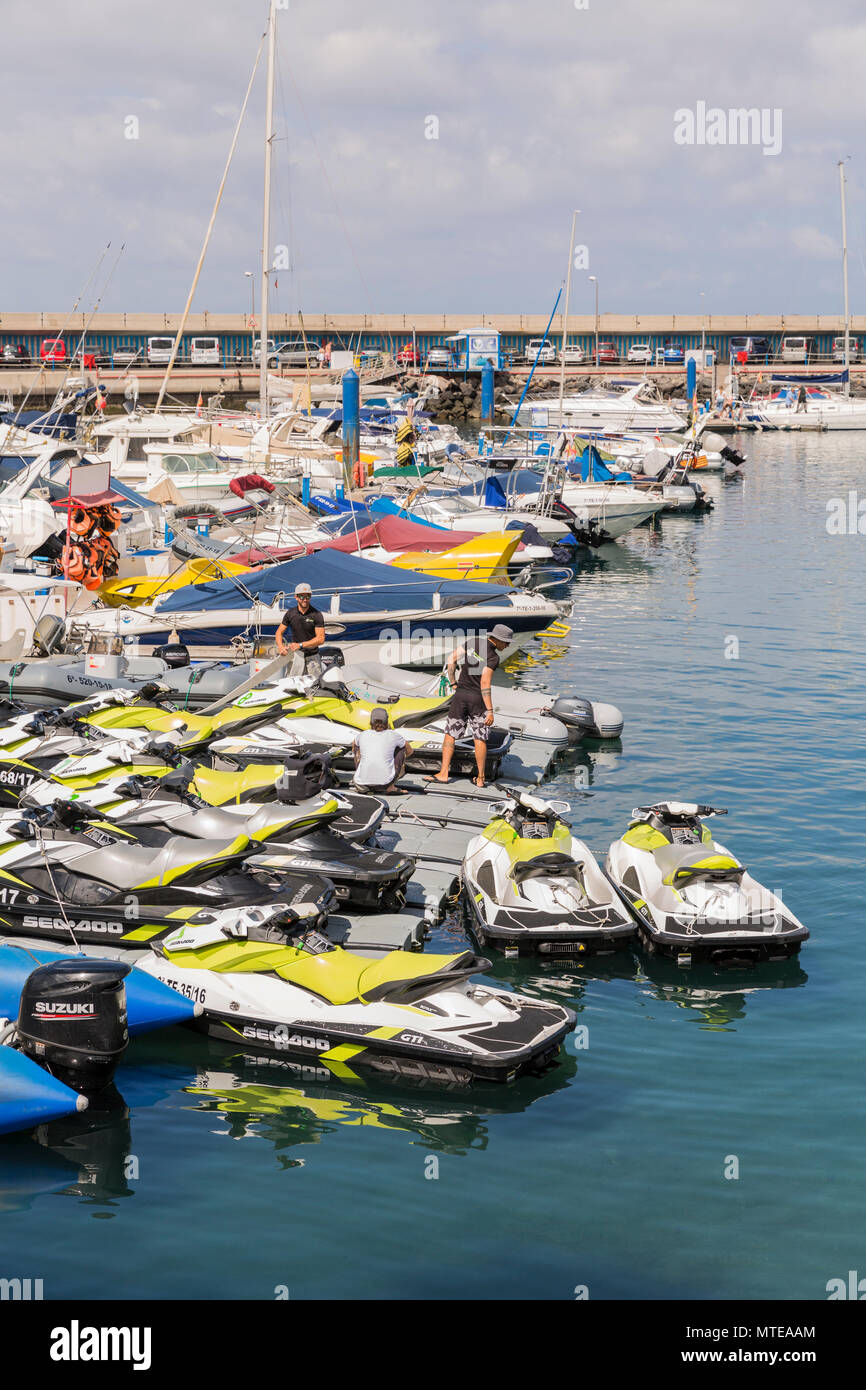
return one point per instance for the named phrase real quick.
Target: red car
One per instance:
(53, 350)
(408, 356)
(607, 352)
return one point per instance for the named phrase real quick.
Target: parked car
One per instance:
(158, 351)
(640, 352)
(541, 348)
(15, 355)
(673, 353)
(408, 356)
(574, 355)
(293, 353)
(123, 356)
(795, 348)
(53, 350)
(438, 357)
(205, 352)
(755, 349)
(855, 348)
(607, 352)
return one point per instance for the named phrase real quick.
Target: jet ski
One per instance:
(692, 898)
(392, 1015)
(207, 780)
(524, 713)
(299, 838)
(66, 876)
(276, 718)
(531, 886)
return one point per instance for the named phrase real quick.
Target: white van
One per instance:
(795, 349)
(159, 351)
(204, 352)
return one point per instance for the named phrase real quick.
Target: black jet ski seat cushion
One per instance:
(551, 865)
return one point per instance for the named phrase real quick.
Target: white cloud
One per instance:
(542, 108)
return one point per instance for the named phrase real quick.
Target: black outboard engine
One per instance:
(174, 654)
(72, 1021)
(331, 657)
(303, 778)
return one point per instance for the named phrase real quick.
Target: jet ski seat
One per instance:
(554, 864)
(337, 976)
(136, 866)
(682, 864)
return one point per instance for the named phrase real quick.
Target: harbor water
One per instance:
(703, 1137)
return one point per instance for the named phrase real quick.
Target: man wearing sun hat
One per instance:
(471, 707)
(306, 628)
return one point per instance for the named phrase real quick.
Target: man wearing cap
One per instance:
(306, 625)
(380, 755)
(471, 707)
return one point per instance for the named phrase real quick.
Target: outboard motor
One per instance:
(587, 717)
(48, 634)
(174, 654)
(72, 1021)
(331, 658)
(303, 778)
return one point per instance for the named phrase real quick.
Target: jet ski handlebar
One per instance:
(675, 809)
(62, 815)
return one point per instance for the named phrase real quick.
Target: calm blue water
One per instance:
(609, 1172)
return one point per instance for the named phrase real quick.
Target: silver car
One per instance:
(294, 353)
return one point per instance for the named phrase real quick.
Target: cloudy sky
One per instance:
(538, 107)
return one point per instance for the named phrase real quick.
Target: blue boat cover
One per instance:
(149, 1003)
(364, 586)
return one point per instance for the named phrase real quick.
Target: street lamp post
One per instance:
(252, 280)
(595, 278)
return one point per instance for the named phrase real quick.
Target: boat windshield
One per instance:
(191, 463)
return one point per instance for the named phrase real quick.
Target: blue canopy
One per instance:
(364, 587)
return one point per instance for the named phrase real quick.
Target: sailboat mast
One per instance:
(574, 216)
(845, 279)
(266, 212)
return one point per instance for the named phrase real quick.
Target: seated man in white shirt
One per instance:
(380, 755)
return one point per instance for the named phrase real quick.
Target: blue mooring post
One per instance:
(351, 425)
(691, 381)
(488, 379)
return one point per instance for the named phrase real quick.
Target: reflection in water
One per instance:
(717, 997)
(253, 1094)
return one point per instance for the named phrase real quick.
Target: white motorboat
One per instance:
(632, 406)
(823, 409)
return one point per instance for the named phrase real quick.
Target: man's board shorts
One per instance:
(466, 721)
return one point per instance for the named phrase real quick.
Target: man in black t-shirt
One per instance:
(306, 628)
(471, 707)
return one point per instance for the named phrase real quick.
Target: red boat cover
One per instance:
(392, 533)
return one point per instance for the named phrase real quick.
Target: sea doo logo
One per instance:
(58, 924)
(77, 1343)
(56, 1010)
(281, 1037)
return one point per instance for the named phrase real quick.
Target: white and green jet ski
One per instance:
(692, 898)
(395, 1014)
(531, 886)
